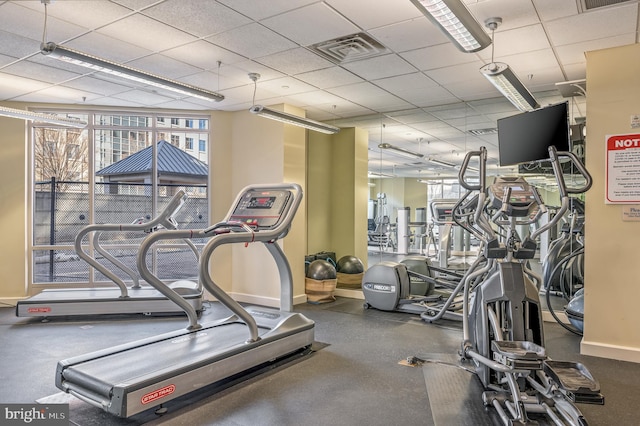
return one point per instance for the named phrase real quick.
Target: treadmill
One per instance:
(141, 375)
(136, 299)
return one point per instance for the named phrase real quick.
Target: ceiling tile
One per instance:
(16, 19)
(409, 35)
(514, 14)
(95, 85)
(259, 10)
(135, 4)
(252, 41)
(455, 74)
(329, 77)
(149, 33)
(14, 46)
(575, 53)
(554, 9)
(403, 83)
(200, 18)
(163, 66)
(92, 14)
(295, 61)
(367, 15)
(608, 22)
(300, 26)
(53, 94)
(518, 40)
(39, 72)
(415, 88)
(439, 56)
(12, 86)
(318, 98)
(203, 54)
(143, 97)
(380, 67)
(284, 86)
(104, 46)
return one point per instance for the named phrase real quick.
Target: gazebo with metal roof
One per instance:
(175, 166)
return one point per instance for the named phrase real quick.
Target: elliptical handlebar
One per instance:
(482, 156)
(554, 156)
(479, 220)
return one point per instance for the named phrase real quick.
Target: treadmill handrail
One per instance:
(154, 281)
(238, 233)
(164, 218)
(268, 237)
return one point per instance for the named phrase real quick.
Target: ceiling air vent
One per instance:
(482, 132)
(349, 48)
(594, 4)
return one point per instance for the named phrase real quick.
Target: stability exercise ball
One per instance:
(349, 265)
(321, 270)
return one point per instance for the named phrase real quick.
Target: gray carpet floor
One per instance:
(354, 376)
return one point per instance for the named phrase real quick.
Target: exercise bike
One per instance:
(503, 335)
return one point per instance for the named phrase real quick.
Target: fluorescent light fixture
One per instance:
(400, 151)
(378, 174)
(441, 163)
(42, 117)
(457, 23)
(97, 64)
(293, 119)
(506, 81)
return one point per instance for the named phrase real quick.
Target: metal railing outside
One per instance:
(61, 210)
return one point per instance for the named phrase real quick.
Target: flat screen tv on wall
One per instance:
(526, 137)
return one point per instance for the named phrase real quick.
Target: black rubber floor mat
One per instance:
(455, 394)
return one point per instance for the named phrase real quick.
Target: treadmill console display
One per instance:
(261, 202)
(262, 208)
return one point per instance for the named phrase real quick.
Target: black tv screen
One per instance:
(526, 137)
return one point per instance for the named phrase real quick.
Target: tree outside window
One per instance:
(61, 153)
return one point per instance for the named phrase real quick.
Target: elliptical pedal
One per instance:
(518, 354)
(575, 381)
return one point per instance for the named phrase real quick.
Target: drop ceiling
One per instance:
(414, 89)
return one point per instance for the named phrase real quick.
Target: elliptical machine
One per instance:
(502, 319)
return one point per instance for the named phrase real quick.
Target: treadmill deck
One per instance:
(102, 301)
(134, 377)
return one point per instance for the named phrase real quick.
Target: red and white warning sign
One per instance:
(623, 169)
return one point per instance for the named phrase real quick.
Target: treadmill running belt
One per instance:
(152, 359)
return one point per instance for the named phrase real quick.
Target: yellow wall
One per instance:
(415, 196)
(221, 193)
(337, 206)
(612, 293)
(13, 252)
(267, 151)
(319, 179)
(401, 192)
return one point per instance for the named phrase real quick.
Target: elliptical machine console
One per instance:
(514, 194)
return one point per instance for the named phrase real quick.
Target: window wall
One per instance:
(113, 172)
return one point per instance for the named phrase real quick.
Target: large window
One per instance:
(105, 174)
